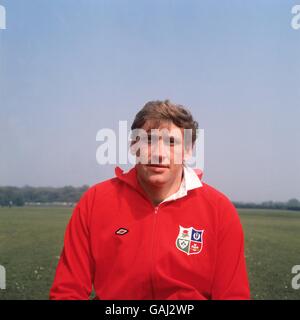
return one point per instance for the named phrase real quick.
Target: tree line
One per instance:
(292, 204)
(20, 196)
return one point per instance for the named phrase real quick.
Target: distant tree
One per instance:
(293, 204)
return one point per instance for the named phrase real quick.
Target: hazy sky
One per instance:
(69, 68)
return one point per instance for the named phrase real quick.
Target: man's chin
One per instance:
(157, 180)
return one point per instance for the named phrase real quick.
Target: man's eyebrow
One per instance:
(149, 129)
(159, 129)
(154, 133)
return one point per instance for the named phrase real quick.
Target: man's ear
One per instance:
(132, 143)
(188, 152)
(133, 150)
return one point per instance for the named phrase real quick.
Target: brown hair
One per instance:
(158, 111)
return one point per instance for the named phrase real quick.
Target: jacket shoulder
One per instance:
(213, 195)
(101, 188)
(220, 203)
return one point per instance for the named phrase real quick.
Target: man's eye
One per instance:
(153, 139)
(170, 140)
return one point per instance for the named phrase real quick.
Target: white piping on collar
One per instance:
(189, 182)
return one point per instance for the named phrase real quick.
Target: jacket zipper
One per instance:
(152, 251)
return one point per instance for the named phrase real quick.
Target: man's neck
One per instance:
(158, 194)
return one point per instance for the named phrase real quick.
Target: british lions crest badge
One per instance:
(189, 240)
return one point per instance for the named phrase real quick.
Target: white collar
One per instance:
(190, 181)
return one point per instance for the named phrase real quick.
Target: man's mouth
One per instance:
(157, 166)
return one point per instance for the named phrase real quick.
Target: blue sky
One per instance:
(69, 68)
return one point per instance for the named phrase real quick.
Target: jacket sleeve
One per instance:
(74, 274)
(230, 277)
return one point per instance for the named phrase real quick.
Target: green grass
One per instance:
(31, 240)
(30, 243)
(272, 249)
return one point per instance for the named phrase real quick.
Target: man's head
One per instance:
(164, 134)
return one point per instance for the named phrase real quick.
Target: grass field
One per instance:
(31, 240)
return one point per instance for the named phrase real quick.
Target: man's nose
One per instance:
(160, 152)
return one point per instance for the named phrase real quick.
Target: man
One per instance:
(157, 231)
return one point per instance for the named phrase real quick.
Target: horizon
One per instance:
(89, 186)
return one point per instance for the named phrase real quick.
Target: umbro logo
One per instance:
(121, 231)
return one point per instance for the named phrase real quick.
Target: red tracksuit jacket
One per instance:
(117, 241)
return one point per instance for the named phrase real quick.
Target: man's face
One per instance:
(161, 153)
